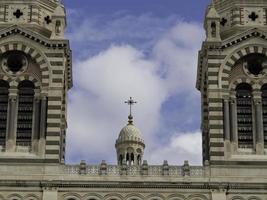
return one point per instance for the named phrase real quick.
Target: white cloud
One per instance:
(104, 81)
(180, 147)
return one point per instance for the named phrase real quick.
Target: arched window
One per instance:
(127, 159)
(213, 29)
(264, 112)
(244, 115)
(25, 113)
(132, 158)
(4, 86)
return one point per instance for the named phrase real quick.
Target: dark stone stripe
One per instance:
(216, 144)
(214, 65)
(45, 76)
(52, 143)
(216, 126)
(213, 82)
(54, 99)
(216, 56)
(215, 117)
(215, 100)
(219, 136)
(217, 153)
(56, 116)
(215, 108)
(226, 71)
(56, 63)
(57, 71)
(52, 152)
(52, 133)
(236, 163)
(42, 62)
(54, 107)
(57, 80)
(229, 64)
(50, 124)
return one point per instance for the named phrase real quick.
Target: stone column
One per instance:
(43, 115)
(36, 122)
(12, 120)
(259, 127)
(226, 118)
(234, 133)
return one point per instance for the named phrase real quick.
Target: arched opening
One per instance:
(132, 158)
(25, 113)
(264, 112)
(127, 159)
(138, 159)
(244, 115)
(4, 86)
(213, 29)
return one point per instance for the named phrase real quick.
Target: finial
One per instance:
(130, 102)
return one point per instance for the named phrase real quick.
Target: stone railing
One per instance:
(144, 170)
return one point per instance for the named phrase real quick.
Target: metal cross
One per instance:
(18, 13)
(130, 102)
(48, 19)
(253, 16)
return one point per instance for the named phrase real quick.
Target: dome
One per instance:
(130, 133)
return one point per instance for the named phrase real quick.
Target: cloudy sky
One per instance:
(146, 49)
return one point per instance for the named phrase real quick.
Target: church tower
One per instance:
(232, 79)
(35, 75)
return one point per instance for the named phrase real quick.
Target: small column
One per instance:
(226, 117)
(234, 133)
(43, 115)
(50, 193)
(36, 122)
(12, 120)
(259, 127)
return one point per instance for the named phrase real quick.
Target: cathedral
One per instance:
(36, 75)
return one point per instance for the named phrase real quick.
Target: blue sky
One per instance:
(142, 48)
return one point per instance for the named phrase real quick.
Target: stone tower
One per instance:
(232, 77)
(35, 75)
(130, 144)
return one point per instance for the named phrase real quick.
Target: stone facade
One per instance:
(36, 74)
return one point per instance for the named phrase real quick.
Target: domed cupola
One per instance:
(130, 144)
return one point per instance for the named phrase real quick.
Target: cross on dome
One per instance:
(130, 102)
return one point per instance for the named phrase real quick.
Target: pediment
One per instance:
(244, 36)
(38, 38)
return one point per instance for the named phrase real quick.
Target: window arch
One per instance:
(244, 115)
(4, 86)
(264, 112)
(25, 113)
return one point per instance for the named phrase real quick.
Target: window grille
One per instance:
(4, 86)
(264, 113)
(25, 113)
(244, 116)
